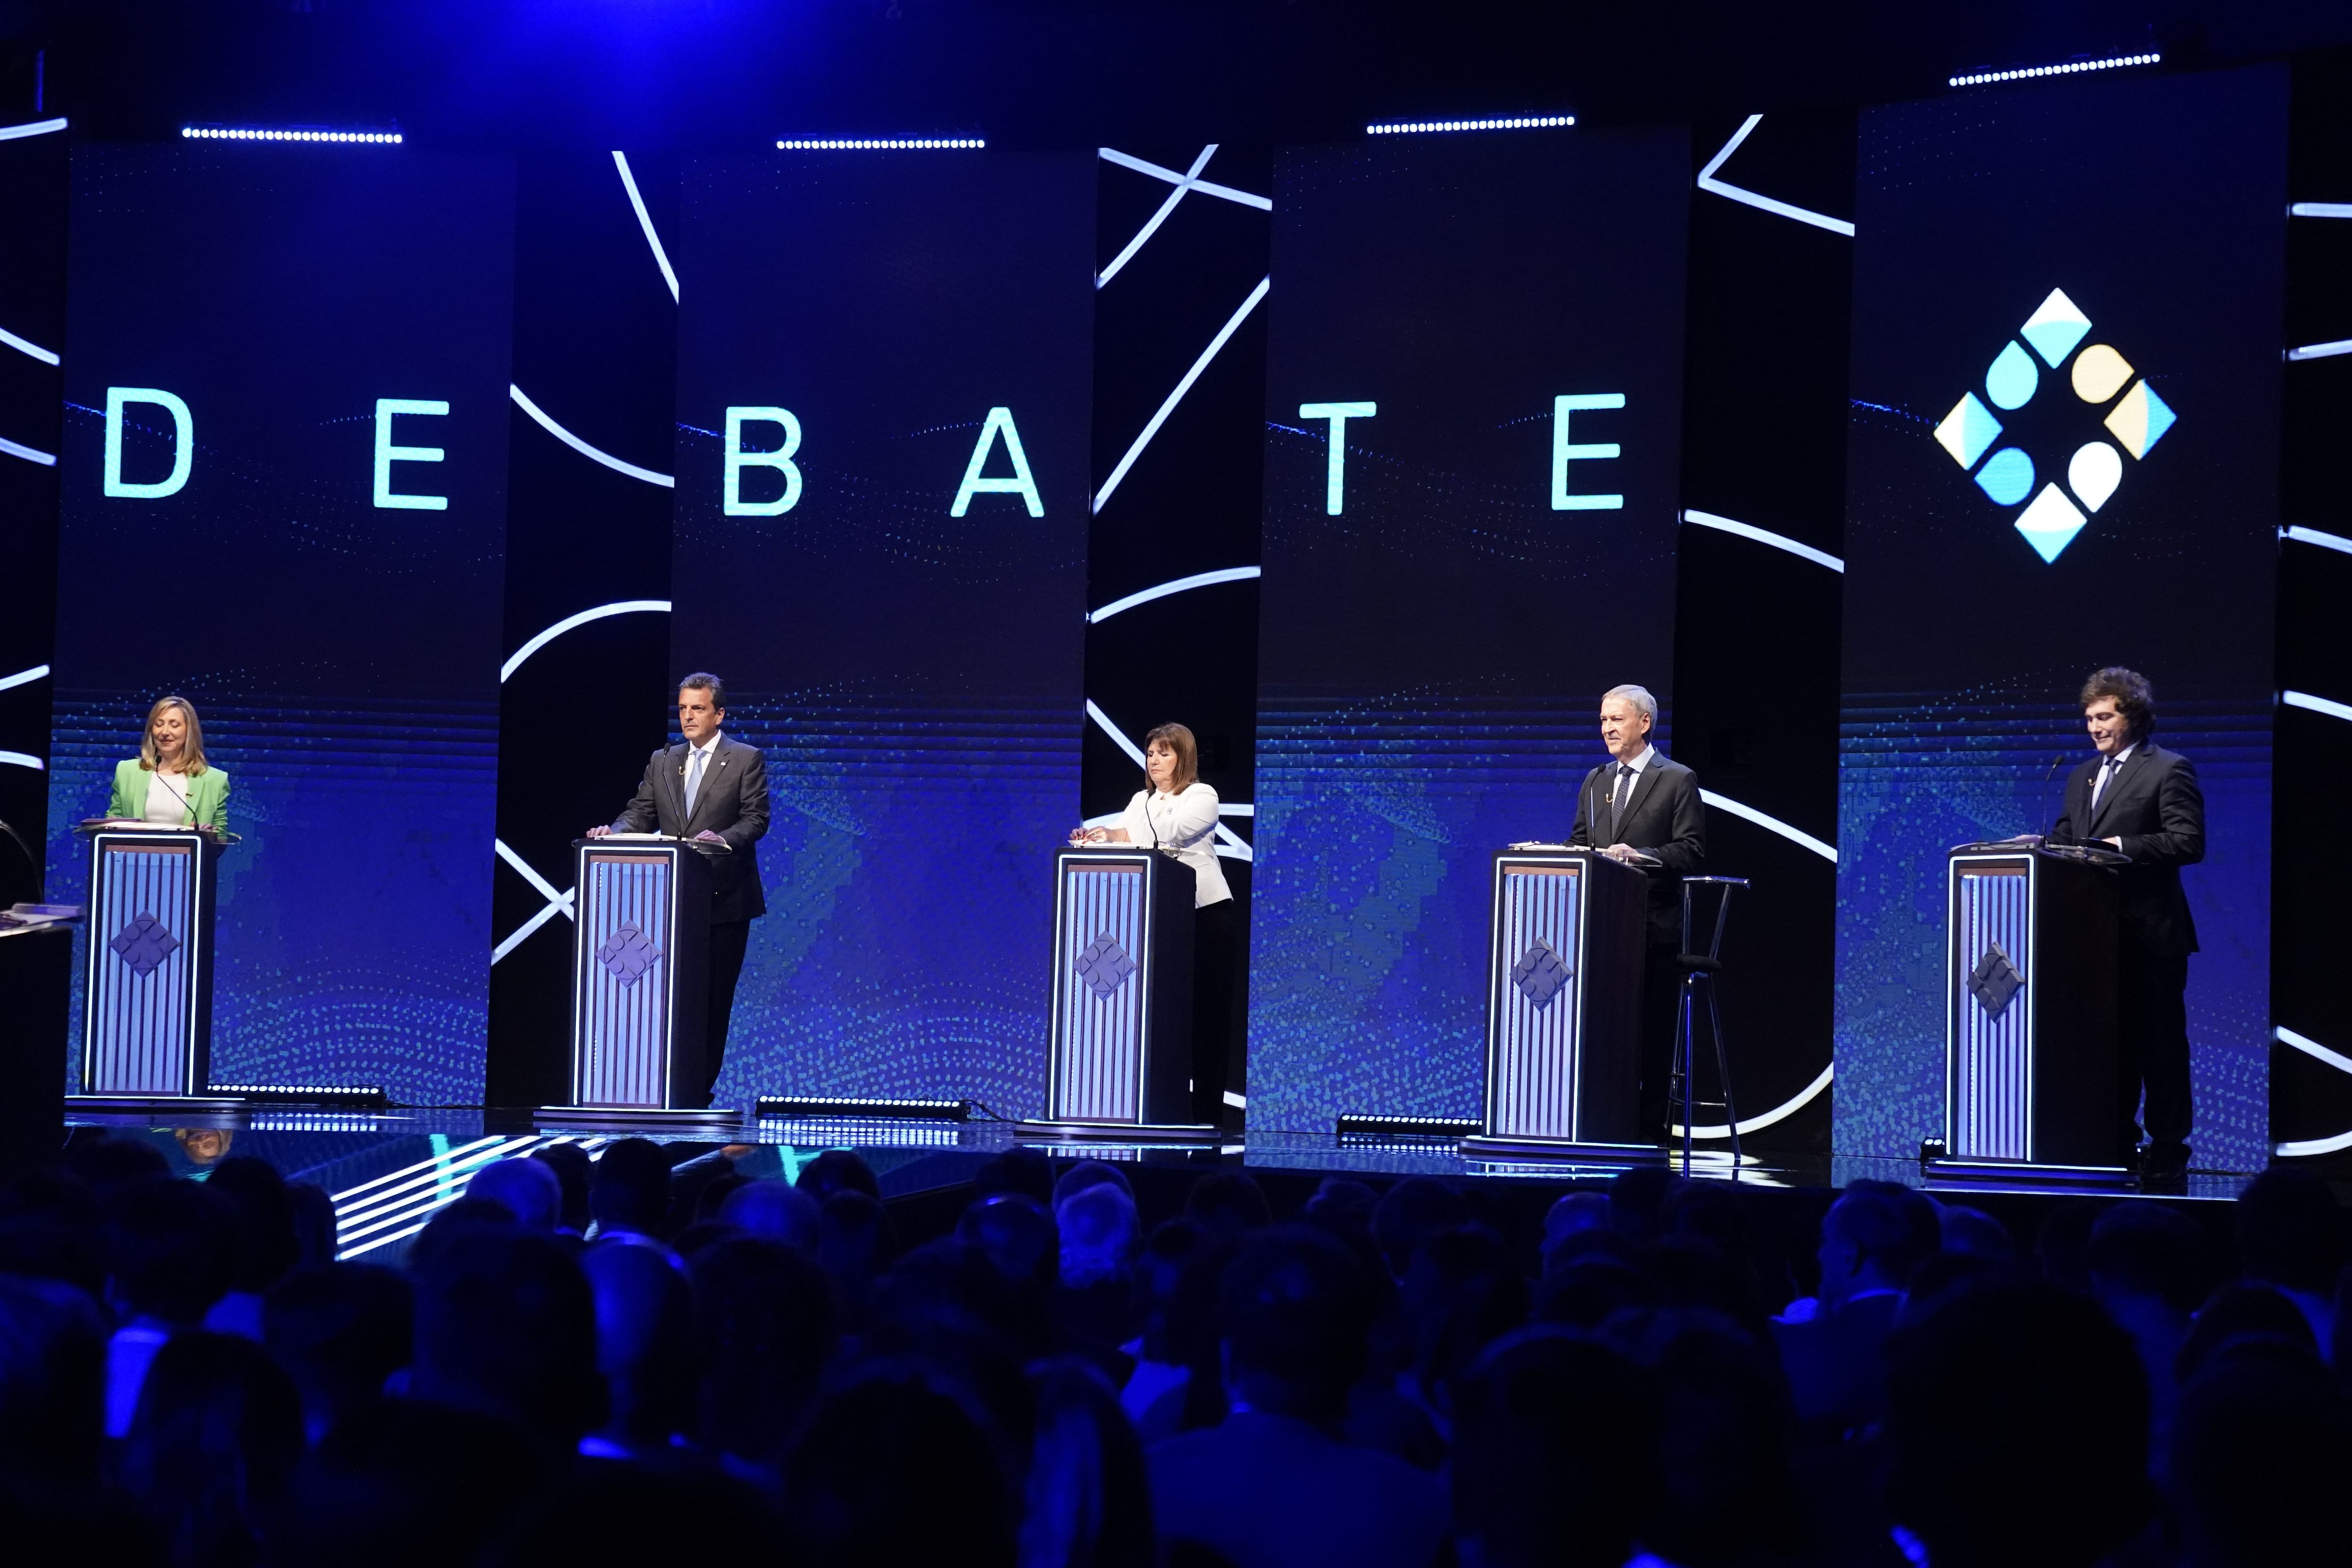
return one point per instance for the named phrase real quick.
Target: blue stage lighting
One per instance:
(882, 144)
(266, 134)
(1525, 123)
(2068, 67)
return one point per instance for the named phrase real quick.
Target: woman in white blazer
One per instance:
(1177, 814)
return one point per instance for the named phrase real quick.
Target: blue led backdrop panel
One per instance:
(2063, 454)
(897, 604)
(298, 523)
(1469, 535)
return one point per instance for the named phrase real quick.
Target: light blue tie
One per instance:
(693, 782)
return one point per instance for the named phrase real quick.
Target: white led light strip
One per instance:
(886, 144)
(2070, 67)
(235, 133)
(1525, 123)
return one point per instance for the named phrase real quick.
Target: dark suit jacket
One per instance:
(732, 803)
(1663, 819)
(2154, 805)
(1266, 1491)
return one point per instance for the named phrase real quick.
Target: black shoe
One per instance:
(2167, 1162)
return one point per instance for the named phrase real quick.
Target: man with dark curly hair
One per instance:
(2142, 800)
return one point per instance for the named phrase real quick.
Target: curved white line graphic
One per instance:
(2304, 699)
(1773, 823)
(1198, 580)
(1707, 182)
(27, 346)
(557, 903)
(1127, 161)
(24, 760)
(2312, 536)
(2312, 1146)
(1765, 536)
(645, 222)
(2320, 209)
(30, 454)
(2313, 1049)
(1152, 226)
(23, 677)
(626, 606)
(582, 447)
(1225, 333)
(1778, 1113)
(36, 128)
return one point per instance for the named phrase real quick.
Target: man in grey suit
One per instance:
(1643, 808)
(2142, 800)
(715, 790)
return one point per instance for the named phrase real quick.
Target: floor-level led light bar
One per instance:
(1447, 1127)
(799, 1109)
(2069, 68)
(301, 1094)
(1525, 123)
(884, 144)
(263, 133)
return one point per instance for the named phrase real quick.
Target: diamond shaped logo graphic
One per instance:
(1104, 966)
(2055, 328)
(2095, 471)
(1995, 981)
(627, 954)
(1540, 973)
(143, 944)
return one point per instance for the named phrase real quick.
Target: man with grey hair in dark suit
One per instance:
(1642, 808)
(715, 790)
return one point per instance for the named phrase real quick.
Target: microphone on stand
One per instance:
(2056, 811)
(179, 796)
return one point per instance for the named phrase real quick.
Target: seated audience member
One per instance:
(856, 1242)
(1021, 1172)
(2257, 1460)
(1461, 1292)
(1555, 1455)
(170, 1255)
(1176, 1281)
(2061, 1243)
(506, 1325)
(1873, 1238)
(463, 1217)
(52, 1389)
(2291, 1236)
(893, 1471)
(1229, 1203)
(107, 1164)
(408, 1483)
(1637, 1201)
(1575, 1211)
(529, 1189)
(839, 1171)
(209, 1455)
(630, 1189)
(765, 1313)
(1089, 1173)
(715, 1194)
(314, 1223)
(1095, 1298)
(261, 1219)
(776, 1210)
(1972, 1233)
(341, 1333)
(1088, 1502)
(1409, 1214)
(646, 1347)
(2146, 1271)
(1015, 1233)
(1273, 1485)
(577, 1174)
(2240, 1313)
(2017, 1431)
(1342, 1205)
(634, 1515)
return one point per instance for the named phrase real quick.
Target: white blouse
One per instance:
(164, 800)
(1186, 825)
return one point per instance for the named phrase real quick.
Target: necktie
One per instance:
(694, 781)
(2106, 775)
(1618, 790)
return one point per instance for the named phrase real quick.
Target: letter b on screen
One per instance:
(780, 457)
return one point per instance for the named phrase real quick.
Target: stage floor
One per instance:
(389, 1172)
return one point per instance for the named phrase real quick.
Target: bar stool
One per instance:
(1699, 969)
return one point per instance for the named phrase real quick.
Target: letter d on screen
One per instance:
(183, 442)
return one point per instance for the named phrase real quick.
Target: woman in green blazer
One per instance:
(169, 781)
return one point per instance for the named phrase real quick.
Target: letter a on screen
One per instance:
(1020, 484)
(183, 442)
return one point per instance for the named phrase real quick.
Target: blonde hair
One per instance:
(1188, 756)
(192, 754)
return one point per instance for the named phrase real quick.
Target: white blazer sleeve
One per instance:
(1138, 831)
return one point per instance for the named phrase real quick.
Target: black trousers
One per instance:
(2152, 1047)
(1216, 960)
(729, 939)
(1662, 997)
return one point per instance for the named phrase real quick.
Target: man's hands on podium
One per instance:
(704, 836)
(1624, 852)
(599, 831)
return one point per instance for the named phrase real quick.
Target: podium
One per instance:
(1564, 1009)
(147, 978)
(1118, 1062)
(2030, 1012)
(640, 981)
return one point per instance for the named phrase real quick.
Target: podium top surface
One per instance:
(1557, 854)
(2098, 855)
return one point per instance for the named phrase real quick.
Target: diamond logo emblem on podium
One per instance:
(143, 944)
(2094, 468)
(1540, 973)
(627, 954)
(1995, 981)
(1104, 966)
